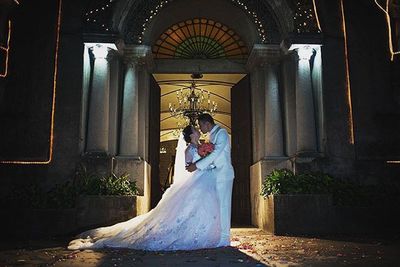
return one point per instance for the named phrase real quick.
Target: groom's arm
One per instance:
(220, 143)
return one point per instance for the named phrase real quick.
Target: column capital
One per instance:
(137, 55)
(263, 54)
(101, 50)
(304, 51)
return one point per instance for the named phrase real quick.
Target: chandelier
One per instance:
(191, 102)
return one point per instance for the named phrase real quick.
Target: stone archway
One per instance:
(210, 46)
(139, 21)
(285, 85)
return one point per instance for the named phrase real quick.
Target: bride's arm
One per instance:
(220, 143)
(188, 155)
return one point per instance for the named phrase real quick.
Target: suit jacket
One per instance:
(221, 156)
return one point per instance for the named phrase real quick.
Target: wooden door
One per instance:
(154, 140)
(241, 151)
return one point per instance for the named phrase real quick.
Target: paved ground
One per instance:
(249, 247)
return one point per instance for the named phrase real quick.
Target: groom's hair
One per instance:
(205, 117)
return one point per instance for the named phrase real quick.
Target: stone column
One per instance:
(114, 105)
(305, 114)
(273, 117)
(316, 77)
(257, 111)
(134, 58)
(97, 132)
(264, 62)
(289, 69)
(144, 96)
(134, 118)
(85, 100)
(128, 145)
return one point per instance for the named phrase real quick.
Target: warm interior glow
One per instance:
(219, 86)
(348, 87)
(387, 16)
(199, 38)
(7, 49)
(53, 104)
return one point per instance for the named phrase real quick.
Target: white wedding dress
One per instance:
(186, 218)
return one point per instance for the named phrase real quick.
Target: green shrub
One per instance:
(121, 186)
(90, 184)
(64, 195)
(284, 181)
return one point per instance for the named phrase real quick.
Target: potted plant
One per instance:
(104, 200)
(296, 204)
(87, 201)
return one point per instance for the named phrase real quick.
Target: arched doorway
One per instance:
(232, 94)
(205, 45)
(151, 45)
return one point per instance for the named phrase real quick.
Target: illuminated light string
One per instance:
(316, 15)
(258, 23)
(53, 104)
(393, 161)
(153, 13)
(95, 11)
(348, 86)
(387, 16)
(7, 49)
(306, 15)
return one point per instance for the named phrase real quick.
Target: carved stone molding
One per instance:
(263, 54)
(139, 55)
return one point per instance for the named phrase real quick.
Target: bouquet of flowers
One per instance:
(205, 149)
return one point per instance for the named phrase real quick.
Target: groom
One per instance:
(221, 159)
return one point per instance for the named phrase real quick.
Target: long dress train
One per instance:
(186, 218)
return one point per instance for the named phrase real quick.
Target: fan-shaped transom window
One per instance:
(199, 39)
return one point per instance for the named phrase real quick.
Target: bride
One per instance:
(186, 218)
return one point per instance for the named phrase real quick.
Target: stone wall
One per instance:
(26, 105)
(90, 212)
(315, 215)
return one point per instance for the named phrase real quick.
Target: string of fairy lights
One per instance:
(6, 49)
(253, 14)
(306, 17)
(94, 15)
(388, 19)
(53, 102)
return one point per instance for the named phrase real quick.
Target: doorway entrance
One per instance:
(231, 94)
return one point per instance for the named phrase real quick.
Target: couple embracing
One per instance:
(194, 212)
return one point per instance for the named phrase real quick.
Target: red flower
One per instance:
(205, 149)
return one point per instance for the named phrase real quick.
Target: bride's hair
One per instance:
(187, 132)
